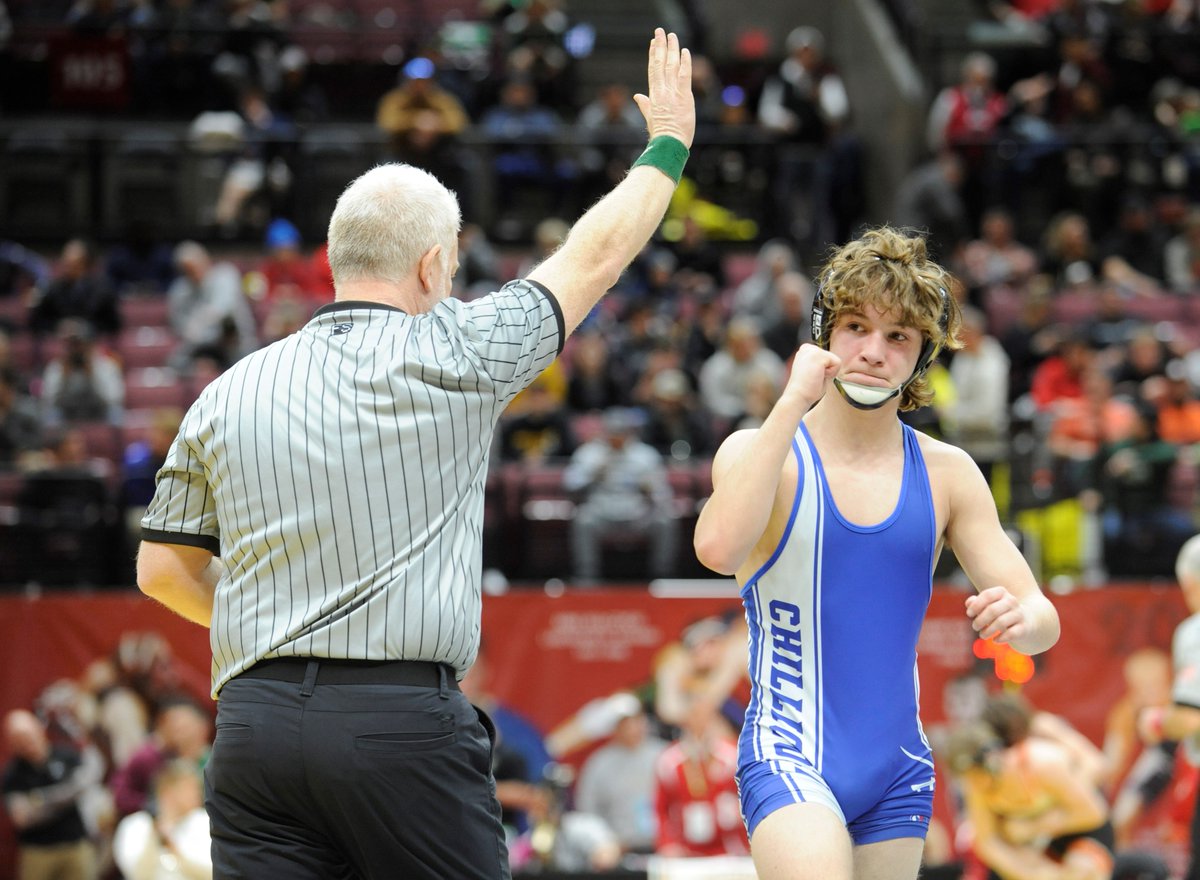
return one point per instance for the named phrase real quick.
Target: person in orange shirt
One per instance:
(1178, 408)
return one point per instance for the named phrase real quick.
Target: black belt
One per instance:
(418, 673)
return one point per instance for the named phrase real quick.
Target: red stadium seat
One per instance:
(143, 311)
(150, 387)
(145, 346)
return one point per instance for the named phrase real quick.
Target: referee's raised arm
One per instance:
(611, 233)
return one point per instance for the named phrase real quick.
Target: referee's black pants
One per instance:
(324, 770)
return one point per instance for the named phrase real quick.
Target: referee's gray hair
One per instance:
(386, 220)
(1187, 563)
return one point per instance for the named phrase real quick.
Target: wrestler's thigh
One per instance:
(898, 859)
(802, 842)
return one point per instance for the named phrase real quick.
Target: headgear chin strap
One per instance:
(871, 396)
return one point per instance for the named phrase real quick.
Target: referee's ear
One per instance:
(431, 270)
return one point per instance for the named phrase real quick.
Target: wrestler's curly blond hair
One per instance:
(890, 269)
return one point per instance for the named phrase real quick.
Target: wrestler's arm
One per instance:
(1010, 605)
(748, 465)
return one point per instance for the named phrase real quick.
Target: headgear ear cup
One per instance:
(819, 319)
(930, 347)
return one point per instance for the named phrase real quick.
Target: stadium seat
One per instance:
(150, 387)
(143, 311)
(141, 347)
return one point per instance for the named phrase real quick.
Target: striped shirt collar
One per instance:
(345, 304)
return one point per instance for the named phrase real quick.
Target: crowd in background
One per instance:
(1062, 187)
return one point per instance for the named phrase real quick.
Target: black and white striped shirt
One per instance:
(339, 473)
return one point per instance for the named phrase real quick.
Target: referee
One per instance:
(320, 511)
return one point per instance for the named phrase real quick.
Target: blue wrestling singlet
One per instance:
(834, 617)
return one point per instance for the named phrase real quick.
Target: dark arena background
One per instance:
(1050, 150)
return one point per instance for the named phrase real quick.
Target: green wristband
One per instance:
(667, 154)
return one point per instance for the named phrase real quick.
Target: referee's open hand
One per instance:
(670, 108)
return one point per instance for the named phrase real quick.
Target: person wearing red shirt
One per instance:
(1060, 376)
(696, 795)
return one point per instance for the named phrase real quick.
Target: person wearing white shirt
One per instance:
(172, 842)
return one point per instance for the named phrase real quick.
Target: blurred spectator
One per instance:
(563, 841)
(622, 484)
(996, 257)
(805, 105)
(1142, 531)
(616, 782)
(1178, 409)
(1182, 255)
(725, 376)
(170, 840)
(806, 100)
(1068, 253)
(696, 253)
(1137, 240)
(298, 97)
(965, 120)
(183, 731)
(526, 158)
(1137, 775)
(643, 332)
(756, 296)
(536, 32)
(763, 388)
(977, 421)
(98, 17)
(261, 171)
(208, 310)
(174, 76)
(21, 271)
(593, 384)
(705, 335)
(966, 116)
(79, 290)
(1059, 377)
(1032, 337)
(83, 383)
(42, 785)
(609, 132)
(1111, 326)
(675, 426)
(696, 795)
(929, 199)
(1084, 427)
(548, 236)
(706, 665)
(288, 274)
(707, 90)
(520, 760)
(478, 265)
(140, 262)
(1145, 357)
(419, 109)
(141, 461)
(792, 326)
(20, 424)
(541, 431)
